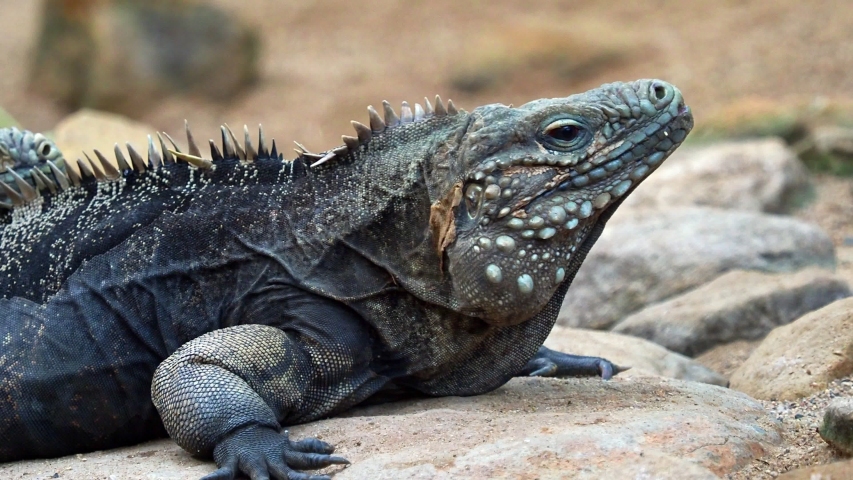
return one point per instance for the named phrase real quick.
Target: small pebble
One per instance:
(837, 426)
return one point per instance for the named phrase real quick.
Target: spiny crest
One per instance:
(364, 133)
(231, 147)
(102, 169)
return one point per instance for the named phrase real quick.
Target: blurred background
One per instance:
(305, 68)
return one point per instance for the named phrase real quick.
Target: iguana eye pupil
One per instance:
(566, 133)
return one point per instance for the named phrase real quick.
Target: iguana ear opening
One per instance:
(442, 223)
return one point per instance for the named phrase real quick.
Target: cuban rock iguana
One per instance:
(428, 255)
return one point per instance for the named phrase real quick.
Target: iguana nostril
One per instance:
(659, 91)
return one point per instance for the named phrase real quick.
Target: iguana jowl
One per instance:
(242, 292)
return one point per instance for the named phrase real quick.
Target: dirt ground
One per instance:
(324, 61)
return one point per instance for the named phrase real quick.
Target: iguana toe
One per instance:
(262, 453)
(550, 363)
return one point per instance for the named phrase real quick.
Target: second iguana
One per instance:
(222, 298)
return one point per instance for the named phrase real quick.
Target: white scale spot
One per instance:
(525, 284)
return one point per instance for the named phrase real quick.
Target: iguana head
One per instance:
(526, 186)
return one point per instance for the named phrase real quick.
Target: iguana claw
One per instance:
(262, 453)
(550, 363)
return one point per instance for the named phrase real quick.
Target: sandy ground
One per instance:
(325, 60)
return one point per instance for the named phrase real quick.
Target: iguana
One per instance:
(220, 299)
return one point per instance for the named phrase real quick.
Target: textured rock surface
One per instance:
(738, 305)
(531, 428)
(757, 175)
(121, 56)
(725, 359)
(646, 256)
(837, 426)
(644, 357)
(800, 358)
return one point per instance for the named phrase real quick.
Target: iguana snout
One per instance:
(540, 177)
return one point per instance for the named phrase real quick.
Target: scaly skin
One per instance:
(21, 151)
(430, 256)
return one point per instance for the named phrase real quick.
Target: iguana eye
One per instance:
(44, 150)
(564, 134)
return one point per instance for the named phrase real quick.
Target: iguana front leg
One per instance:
(227, 393)
(551, 363)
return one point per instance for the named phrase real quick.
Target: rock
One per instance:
(828, 148)
(122, 56)
(761, 175)
(725, 359)
(833, 471)
(89, 130)
(530, 428)
(649, 255)
(738, 305)
(158, 460)
(645, 358)
(837, 426)
(800, 358)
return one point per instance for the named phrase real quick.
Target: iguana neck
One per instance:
(376, 201)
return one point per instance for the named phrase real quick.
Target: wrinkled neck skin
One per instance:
(406, 201)
(385, 224)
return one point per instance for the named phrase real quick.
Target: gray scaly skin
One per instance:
(22, 151)
(243, 293)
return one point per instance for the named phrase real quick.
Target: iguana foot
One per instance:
(262, 453)
(550, 363)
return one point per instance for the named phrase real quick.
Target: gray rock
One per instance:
(646, 256)
(738, 305)
(801, 358)
(530, 428)
(122, 56)
(756, 175)
(644, 357)
(837, 426)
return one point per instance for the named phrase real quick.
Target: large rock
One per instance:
(649, 255)
(89, 130)
(644, 357)
(757, 175)
(738, 305)
(801, 358)
(728, 357)
(122, 55)
(530, 428)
